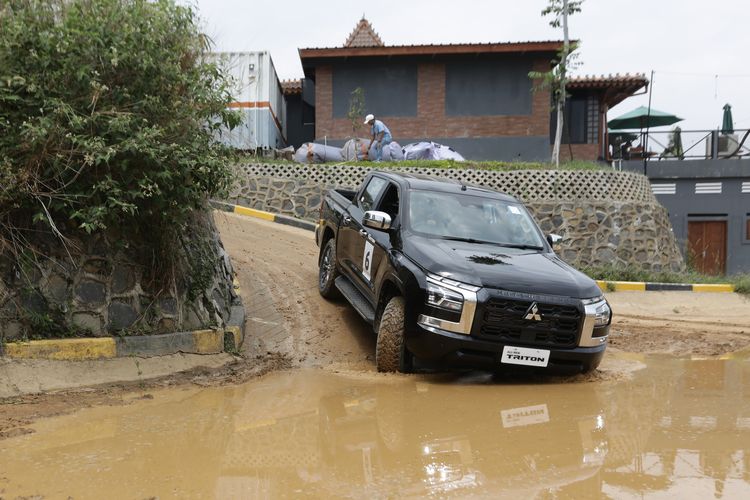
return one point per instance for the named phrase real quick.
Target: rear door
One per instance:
(355, 248)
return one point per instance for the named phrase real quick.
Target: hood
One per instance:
(525, 271)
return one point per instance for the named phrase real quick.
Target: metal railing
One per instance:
(666, 145)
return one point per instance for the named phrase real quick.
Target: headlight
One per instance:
(443, 298)
(603, 314)
(601, 308)
(449, 305)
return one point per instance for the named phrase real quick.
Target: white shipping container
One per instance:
(258, 96)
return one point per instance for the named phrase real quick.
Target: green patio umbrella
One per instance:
(641, 118)
(727, 126)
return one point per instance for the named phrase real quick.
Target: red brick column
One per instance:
(323, 102)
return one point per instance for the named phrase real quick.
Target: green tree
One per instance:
(108, 115)
(556, 79)
(356, 109)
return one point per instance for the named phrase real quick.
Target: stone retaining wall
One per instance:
(605, 217)
(103, 288)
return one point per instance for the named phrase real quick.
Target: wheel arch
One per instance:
(328, 234)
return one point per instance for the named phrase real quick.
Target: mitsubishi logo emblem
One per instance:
(532, 313)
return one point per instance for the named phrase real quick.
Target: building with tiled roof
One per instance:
(475, 97)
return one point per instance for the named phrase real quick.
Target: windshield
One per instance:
(472, 218)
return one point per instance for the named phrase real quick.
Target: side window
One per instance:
(389, 203)
(371, 193)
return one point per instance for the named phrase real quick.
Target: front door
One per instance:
(356, 246)
(707, 246)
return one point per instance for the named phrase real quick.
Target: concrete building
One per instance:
(477, 98)
(709, 208)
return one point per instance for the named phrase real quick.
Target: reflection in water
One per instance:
(680, 428)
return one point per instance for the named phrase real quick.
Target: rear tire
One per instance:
(391, 354)
(327, 272)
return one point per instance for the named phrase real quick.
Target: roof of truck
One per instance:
(431, 183)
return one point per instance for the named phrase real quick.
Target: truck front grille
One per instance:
(504, 321)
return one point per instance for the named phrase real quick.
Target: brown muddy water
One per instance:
(678, 428)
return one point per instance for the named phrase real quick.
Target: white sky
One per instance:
(686, 42)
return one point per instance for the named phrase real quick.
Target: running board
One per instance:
(355, 298)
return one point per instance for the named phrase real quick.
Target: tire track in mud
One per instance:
(278, 270)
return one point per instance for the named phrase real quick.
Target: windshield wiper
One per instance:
(485, 242)
(520, 246)
(467, 240)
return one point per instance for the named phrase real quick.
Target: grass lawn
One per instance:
(504, 166)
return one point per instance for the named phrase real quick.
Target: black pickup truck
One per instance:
(457, 276)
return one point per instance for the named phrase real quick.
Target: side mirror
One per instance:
(554, 240)
(377, 220)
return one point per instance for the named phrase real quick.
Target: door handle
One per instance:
(346, 220)
(363, 233)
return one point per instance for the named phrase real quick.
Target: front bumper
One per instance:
(448, 349)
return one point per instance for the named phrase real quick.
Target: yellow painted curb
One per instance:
(602, 285)
(209, 341)
(254, 213)
(713, 288)
(63, 349)
(236, 332)
(628, 286)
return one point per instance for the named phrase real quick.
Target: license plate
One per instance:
(524, 356)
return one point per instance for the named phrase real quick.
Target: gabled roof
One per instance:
(615, 87)
(363, 36)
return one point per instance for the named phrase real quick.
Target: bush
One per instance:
(107, 117)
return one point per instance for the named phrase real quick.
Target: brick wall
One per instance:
(588, 152)
(431, 121)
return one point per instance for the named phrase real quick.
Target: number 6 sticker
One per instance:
(367, 261)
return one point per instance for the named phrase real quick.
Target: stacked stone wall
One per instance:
(604, 217)
(98, 286)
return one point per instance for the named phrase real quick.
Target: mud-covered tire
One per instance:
(390, 352)
(327, 272)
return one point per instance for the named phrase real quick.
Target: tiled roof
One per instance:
(614, 88)
(551, 46)
(363, 36)
(604, 81)
(291, 87)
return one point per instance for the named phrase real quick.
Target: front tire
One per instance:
(390, 352)
(327, 272)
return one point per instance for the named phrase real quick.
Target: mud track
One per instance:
(289, 326)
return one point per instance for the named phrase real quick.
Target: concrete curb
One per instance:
(195, 342)
(637, 286)
(260, 214)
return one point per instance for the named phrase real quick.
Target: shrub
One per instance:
(107, 117)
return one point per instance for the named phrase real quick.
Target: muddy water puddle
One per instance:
(676, 429)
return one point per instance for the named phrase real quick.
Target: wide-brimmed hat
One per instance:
(369, 118)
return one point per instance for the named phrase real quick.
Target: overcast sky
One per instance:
(686, 42)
